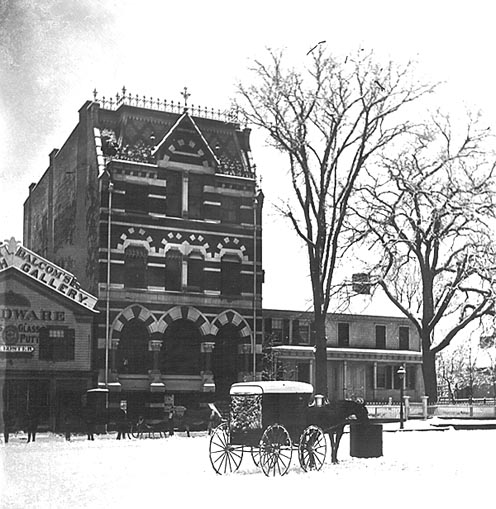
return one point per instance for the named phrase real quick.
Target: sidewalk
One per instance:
(440, 424)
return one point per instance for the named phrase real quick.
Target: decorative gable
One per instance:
(185, 148)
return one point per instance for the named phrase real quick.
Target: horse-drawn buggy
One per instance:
(274, 419)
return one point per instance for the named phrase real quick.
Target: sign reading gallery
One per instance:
(14, 255)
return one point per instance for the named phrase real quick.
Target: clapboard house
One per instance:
(364, 353)
(46, 331)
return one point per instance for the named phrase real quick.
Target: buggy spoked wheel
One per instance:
(312, 448)
(255, 455)
(224, 457)
(276, 450)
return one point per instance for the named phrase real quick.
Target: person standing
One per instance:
(7, 425)
(32, 424)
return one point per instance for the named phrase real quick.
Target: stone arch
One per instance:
(184, 313)
(230, 317)
(135, 311)
(230, 332)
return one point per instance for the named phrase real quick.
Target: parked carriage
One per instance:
(268, 420)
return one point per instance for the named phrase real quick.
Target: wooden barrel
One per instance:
(365, 440)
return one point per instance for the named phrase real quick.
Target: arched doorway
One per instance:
(181, 349)
(132, 354)
(225, 360)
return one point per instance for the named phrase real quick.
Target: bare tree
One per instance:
(428, 211)
(330, 119)
(457, 370)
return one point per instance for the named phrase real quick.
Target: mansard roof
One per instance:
(141, 131)
(14, 256)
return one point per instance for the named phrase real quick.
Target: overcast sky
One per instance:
(53, 53)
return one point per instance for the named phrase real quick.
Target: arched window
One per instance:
(132, 355)
(135, 259)
(173, 270)
(181, 349)
(230, 275)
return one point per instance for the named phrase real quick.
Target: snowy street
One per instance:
(418, 469)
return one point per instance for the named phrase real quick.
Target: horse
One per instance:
(333, 416)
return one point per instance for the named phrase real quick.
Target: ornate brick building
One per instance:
(154, 207)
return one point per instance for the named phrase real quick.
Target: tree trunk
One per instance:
(320, 355)
(429, 372)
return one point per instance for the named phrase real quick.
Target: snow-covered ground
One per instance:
(418, 469)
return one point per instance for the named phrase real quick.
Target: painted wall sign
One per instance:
(12, 254)
(18, 325)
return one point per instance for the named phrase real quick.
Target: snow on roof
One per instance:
(272, 387)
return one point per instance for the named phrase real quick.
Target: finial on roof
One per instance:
(94, 94)
(186, 96)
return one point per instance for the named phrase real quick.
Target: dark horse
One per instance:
(333, 416)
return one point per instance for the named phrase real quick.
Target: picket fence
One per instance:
(477, 409)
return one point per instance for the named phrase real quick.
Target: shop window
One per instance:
(174, 194)
(195, 273)
(136, 199)
(173, 270)
(230, 275)
(56, 344)
(404, 338)
(195, 197)
(343, 335)
(380, 336)
(135, 260)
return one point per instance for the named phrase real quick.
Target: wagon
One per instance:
(268, 420)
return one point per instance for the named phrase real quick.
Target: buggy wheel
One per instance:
(255, 455)
(276, 450)
(312, 448)
(224, 457)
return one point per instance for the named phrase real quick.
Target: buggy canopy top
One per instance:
(272, 387)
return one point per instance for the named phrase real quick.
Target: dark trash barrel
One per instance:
(365, 440)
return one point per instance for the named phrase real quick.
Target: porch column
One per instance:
(374, 381)
(345, 378)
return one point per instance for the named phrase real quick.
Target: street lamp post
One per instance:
(254, 331)
(401, 374)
